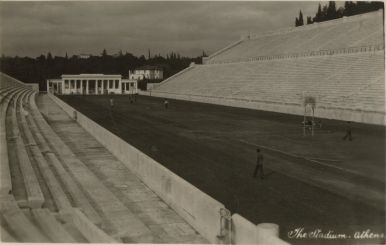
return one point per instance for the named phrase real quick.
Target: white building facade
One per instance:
(147, 72)
(92, 84)
(84, 56)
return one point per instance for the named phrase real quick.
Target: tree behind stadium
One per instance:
(329, 12)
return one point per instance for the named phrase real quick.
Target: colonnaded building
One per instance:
(92, 84)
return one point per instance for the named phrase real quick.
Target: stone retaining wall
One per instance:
(343, 114)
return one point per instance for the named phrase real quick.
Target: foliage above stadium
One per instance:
(39, 69)
(330, 12)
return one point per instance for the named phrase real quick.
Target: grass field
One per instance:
(312, 182)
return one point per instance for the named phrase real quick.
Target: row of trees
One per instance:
(330, 12)
(43, 67)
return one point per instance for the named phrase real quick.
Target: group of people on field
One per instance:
(309, 124)
(259, 167)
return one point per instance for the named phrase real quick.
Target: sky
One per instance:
(189, 28)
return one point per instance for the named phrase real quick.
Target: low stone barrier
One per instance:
(245, 232)
(248, 104)
(370, 117)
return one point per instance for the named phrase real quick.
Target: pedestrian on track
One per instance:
(348, 132)
(259, 164)
(111, 103)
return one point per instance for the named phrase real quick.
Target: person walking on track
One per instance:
(259, 165)
(111, 103)
(348, 132)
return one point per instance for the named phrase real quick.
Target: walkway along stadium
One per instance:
(74, 168)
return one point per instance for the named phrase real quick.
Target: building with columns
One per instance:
(92, 84)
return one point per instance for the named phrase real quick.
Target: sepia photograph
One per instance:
(193, 122)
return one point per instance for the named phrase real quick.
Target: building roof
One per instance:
(89, 75)
(149, 67)
(84, 55)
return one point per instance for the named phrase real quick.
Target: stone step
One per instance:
(51, 227)
(90, 231)
(66, 180)
(35, 196)
(22, 227)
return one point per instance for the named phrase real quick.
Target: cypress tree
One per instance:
(104, 53)
(301, 22)
(309, 20)
(331, 11)
(318, 16)
(49, 57)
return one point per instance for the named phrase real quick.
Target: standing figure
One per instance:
(259, 165)
(320, 123)
(348, 131)
(166, 104)
(111, 103)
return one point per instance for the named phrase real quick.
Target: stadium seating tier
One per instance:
(352, 81)
(355, 31)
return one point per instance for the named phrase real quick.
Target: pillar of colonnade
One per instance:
(100, 86)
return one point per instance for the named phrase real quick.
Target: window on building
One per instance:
(117, 84)
(72, 83)
(66, 84)
(104, 84)
(78, 84)
(111, 84)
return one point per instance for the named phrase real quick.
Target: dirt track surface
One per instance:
(320, 182)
